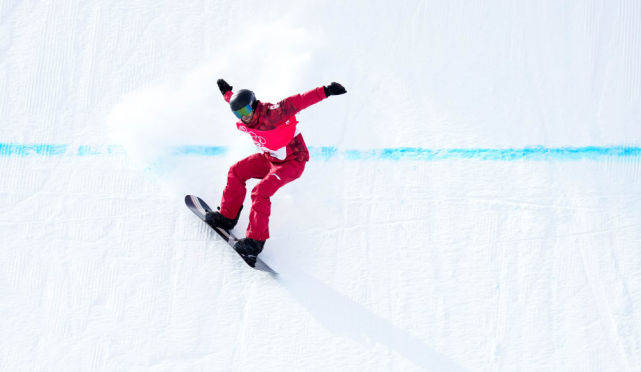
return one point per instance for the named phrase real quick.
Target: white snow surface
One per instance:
(406, 265)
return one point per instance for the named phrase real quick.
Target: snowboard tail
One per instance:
(200, 209)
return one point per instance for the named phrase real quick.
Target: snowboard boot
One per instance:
(249, 249)
(215, 219)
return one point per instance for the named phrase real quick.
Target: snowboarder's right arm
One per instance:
(225, 89)
(294, 104)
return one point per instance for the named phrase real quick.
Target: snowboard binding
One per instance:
(249, 249)
(216, 219)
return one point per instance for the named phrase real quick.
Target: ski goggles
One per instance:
(243, 111)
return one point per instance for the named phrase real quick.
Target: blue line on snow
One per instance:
(329, 152)
(16, 149)
(199, 150)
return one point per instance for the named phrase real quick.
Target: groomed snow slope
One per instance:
(473, 202)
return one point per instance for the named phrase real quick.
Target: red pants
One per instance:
(273, 176)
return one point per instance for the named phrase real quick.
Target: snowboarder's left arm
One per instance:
(299, 102)
(225, 89)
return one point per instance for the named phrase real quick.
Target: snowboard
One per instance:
(200, 208)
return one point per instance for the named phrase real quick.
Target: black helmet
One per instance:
(241, 99)
(242, 104)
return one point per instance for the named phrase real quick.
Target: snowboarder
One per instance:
(281, 160)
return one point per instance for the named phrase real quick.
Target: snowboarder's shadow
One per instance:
(343, 316)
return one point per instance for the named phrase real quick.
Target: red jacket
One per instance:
(267, 117)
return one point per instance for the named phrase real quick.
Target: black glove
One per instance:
(334, 89)
(223, 86)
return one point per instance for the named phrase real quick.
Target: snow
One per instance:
(452, 261)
